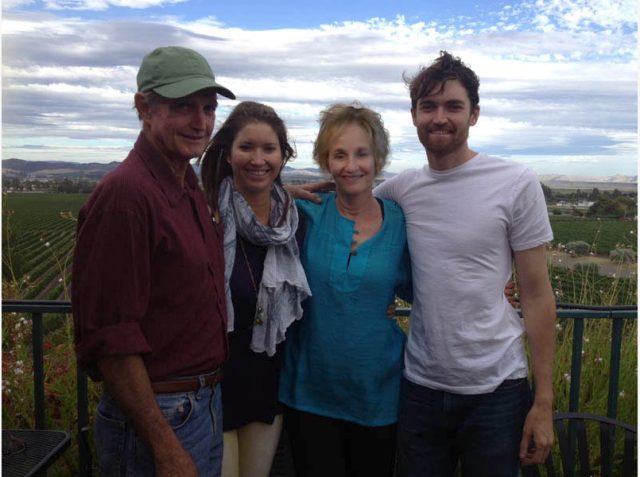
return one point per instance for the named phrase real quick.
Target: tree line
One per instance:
(610, 204)
(65, 186)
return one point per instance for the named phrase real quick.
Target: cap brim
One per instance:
(189, 86)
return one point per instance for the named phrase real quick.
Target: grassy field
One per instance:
(37, 242)
(603, 235)
(32, 210)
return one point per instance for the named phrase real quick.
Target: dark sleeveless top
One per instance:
(250, 384)
(251, 380)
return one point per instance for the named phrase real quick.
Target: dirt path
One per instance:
(607, 267)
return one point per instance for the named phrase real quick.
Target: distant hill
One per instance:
(622, 183)
(54, 170)
(57, 170)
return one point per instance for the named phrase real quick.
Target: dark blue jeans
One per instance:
(196, 418)
(438, 429)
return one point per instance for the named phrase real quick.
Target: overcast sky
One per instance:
(558, 78)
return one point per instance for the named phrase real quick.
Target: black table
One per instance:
(27, 452)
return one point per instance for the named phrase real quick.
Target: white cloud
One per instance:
(92, 75)
(583, 14)
(11, 4)
(604, 16)
(547, 90)
(99, 5)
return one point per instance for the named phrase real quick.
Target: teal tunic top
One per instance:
(344, 358)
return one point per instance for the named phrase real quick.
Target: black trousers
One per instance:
(323, 446)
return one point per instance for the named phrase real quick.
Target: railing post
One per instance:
(37, 338)
(576, 364)
(574, 388)
(614, 366)
(614, 381)
(83, 422)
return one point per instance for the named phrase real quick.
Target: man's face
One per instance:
(181, 128)
(443, 119)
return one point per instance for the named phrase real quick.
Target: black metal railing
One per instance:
(580, 313)
(577, 313)
(37, 309)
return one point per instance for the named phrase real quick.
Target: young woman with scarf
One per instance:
(265, 280)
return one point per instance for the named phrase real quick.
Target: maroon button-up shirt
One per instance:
(148, 271)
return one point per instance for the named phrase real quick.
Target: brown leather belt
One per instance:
(185, 385)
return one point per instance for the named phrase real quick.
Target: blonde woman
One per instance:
(343, 361)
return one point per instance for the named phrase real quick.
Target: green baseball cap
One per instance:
(176, 72)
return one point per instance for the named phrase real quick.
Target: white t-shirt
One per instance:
(462, 226)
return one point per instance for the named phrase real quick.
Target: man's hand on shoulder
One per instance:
(308, 191)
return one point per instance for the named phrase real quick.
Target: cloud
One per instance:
(547, 89)
(579, 16)
(13, 4)
(587, 14)
(100, 5)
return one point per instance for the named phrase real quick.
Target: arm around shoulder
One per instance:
(309, 191)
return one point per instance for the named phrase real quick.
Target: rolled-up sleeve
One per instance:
(111, 277)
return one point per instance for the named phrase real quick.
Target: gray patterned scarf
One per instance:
(284, 285)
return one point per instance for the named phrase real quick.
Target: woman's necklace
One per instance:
(365, 222)
(259, 312)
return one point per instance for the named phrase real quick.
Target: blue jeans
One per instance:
(436, 429)
(196, 418)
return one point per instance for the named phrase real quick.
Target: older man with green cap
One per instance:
(148, 284)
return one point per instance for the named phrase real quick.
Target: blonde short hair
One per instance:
(336, 117)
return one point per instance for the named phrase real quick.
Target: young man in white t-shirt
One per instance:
(465, 396)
